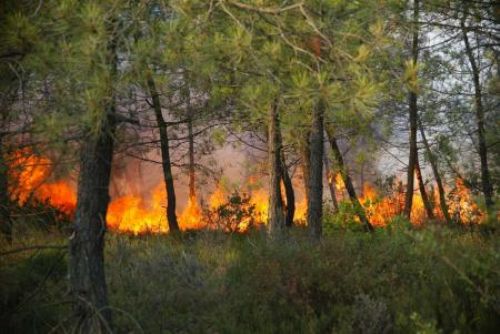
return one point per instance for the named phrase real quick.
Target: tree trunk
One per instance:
(305, 163)
(483, 150)
(165, 157)
(276, 217)
(86, 246)
(432, 159)
(331, 182)
(86, 259)
(289, 193)
(191, 167)
(192, 185)
(347, 180)
(5, 221)
(315, 204)
(423, 191)
(413, 121)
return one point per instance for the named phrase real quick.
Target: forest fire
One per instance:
(133, 214)
(30, 174)
(137, 214)
(380, 210)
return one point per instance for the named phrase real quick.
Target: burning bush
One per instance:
(237, 214)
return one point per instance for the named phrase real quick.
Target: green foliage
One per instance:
(344, 218)
(408, 281)
(398, 280)
(31, 291)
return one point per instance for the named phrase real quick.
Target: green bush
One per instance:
(31, 291)
(396, 280)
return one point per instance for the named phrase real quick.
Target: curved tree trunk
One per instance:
(413, 121)
(165, 157)
(289, 193)
(483, 150)
(347, 180)
(423, 191)
(315, 204)
(86, 259)
(435, 171)
(276, 217)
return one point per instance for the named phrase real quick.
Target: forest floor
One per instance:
(430, 280)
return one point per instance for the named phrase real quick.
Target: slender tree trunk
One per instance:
(5, 221)
(192, 185)
(478, 100)
(423, 191)
(413, 120)
(276, 217)
(165, 156)
(187, 96)
(347, 180)
(432, 159)
(331, 182)
(315, 204)
(305, 154)
(86, 258)
(289, 193)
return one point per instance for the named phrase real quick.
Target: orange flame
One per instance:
(380, 210)
(29, 173)
(132, 214)
(192, 217)
(462, 206)
(339, 182)
(136, 214)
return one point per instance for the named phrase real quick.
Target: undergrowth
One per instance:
(396, 280)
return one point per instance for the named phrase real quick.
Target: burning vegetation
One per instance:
(271, 148)
(226, 210)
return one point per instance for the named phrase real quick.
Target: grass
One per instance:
(431, 280)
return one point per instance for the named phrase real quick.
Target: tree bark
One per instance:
(86, 259)
(191, 167)
(86, 246)
(432, 159)
(276, 217)
(173, 225)
(192, 185)
(331, 182)
(315, 204)
(5, 221)
(289, 193)
(413, 110)
(305, 162)
(423, 191)
(478, 101)
(347, 180)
